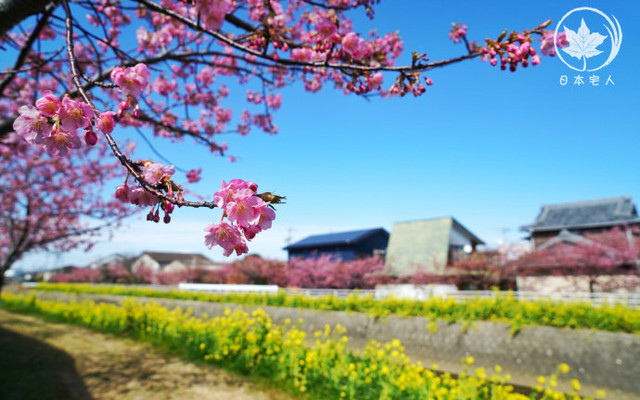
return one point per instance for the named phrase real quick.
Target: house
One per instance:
(570, 262)
(582, 217)
(350, 245)
(583, 246)
(428, 246)
(155, 261)
(112, 259)
(47, 274)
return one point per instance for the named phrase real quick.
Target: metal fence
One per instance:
(413, 292)
(628, 299)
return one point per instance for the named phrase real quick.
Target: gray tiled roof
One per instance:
(333, 239)
(585, 214)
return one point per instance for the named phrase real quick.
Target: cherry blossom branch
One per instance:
(283, 61)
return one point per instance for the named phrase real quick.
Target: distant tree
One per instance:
(85, 275)
(255, 270)
(327, 272)
(116, 273)
(596, 257)
(483, 271)
(53, 203)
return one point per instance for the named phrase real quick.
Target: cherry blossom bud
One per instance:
(122, 107)
(122, 193)
(535, 60)
(90, 138)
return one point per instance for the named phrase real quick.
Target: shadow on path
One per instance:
(34, 370)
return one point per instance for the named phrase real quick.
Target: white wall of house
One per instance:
(147, 262)
(578, 283)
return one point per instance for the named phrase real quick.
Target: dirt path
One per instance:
(63, 362)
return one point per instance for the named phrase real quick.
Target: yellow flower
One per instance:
(564, 368)
(469, 360)
(575, 384)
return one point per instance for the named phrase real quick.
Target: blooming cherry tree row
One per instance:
(78, 79)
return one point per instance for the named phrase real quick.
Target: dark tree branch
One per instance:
(25, 50)
(12, 12)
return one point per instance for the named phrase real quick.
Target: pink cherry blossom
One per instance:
(227, 193)
(59, 143)
(222, 234)
(122, 193)
(31, 125)
(156, 172)
(131, 80)
(266, 215)
(242, 209)
(547, 46)
(212, 12)
(274, 101)
(375, 80)
(240, 249)
(74, 114)
(355, 46)
(48, 104)
(140, 197)
(326, 28)
(193, 176)
(105, 122)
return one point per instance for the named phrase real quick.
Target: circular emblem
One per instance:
(585, 43)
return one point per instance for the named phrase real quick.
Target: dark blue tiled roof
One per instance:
(585, 214)
(333, 239)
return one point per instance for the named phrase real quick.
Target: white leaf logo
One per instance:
(583, 44)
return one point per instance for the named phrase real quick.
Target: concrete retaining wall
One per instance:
(610, 361)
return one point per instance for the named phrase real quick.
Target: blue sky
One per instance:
(485, 146)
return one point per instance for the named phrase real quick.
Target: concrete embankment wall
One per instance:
(606, 360)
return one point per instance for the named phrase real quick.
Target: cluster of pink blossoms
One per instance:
(520, 51)
(212, 12)
(131, 81)
(248, 214)
(53, 124)
(457, 32)
(547, 46)
(157, 175)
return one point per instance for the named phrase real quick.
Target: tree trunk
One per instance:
(2, 271)
(12, 12)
